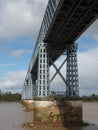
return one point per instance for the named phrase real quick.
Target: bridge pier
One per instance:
(29, 87)
(28, 91)
(63, 21)
(43, 71)
(58, 112)
(72, 83)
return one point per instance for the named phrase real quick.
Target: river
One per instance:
(12, 115)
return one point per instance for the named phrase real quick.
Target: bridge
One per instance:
(63, 23)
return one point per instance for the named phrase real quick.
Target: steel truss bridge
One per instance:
(63, 22)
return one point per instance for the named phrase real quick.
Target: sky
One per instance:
(20, 21)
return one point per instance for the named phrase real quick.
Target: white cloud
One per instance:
(18, 53)
(88, 71)
(13, 80)
(4, 65)
(20, 17)
(92, 31)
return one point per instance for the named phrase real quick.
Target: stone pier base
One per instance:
(29, 104)
(58, 112)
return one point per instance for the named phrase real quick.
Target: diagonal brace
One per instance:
(58, 70)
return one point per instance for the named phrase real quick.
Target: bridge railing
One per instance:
(48, 16)
(49, 13)
(58, 93)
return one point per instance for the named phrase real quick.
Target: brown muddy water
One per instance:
(12, 115)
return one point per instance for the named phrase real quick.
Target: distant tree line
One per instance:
(8, 96)
(92, 97)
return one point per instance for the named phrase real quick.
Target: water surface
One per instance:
(12, 115)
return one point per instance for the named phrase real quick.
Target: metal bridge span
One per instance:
(64, 21)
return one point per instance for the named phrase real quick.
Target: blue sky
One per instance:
(20, 22)
(15, 54)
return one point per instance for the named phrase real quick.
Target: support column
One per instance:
(25, 91)
(72, 83)
(29, 87)
(35, 88)
(43, 71)
(23, 94)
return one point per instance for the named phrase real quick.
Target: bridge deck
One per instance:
(70, 20)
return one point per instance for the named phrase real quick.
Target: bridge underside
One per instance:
(70, 20)
(57, 35)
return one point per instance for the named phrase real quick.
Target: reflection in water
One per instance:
(12, 115)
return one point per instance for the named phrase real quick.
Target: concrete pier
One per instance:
(57, 112)
(29, 104)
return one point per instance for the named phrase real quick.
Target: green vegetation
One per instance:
(92, 97)
(8, 96)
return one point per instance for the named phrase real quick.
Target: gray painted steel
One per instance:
(43, 82)
(64, 21)
(72, 82)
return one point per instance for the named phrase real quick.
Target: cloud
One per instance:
(92, 31)
(21, 17)
(88, 73)
(18, 53)
(4, 65)
(13, 80)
